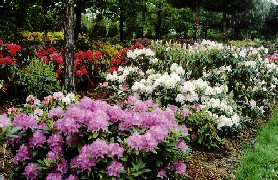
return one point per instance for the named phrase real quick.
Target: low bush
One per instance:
(38, 79)
(58, 138)
(8, 64)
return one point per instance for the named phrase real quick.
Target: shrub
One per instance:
(37, 79)
(8, 63)
(203, 127)
(87, 65)
(109, 50)
(94, 140)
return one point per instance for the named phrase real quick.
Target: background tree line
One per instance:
(124, 19)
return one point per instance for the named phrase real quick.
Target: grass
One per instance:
(260, 161)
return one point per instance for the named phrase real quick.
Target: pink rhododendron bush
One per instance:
(62, 137)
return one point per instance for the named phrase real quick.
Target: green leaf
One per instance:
(85, 177)
(154, 151)
(68, 137)
(124, 158)
(34, 153)
(137, 173)
(74, 166)
(112, 139)
(89, 156)
(47, 162)
(13, 130)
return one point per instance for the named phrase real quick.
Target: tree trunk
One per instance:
(197, 21)
(224, 21)
(77, 28)
(158, 24)
(144, 11)
(121, 22)
(121, 28)
(69, 46)
(206, 25)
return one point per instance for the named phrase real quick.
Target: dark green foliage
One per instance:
(37, 79)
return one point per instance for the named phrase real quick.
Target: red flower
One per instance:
(44, 59)
(115, 61)
(78, 73)
(47, 39)
(13, 48)
(58, 58)
(113, 68)
(51, 50)
(9, 60)
(41, 53)
(122, 51)
(2, 61)
(88, 55)
(79, 55)
(98, 55)
(84, 71)
(137, 45)
(77, 62)
(59, 71)
(1, 42)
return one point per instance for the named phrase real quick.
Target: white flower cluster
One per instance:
(271, 66)
(248, 63)
(224, 121)
(142, 87)
(211, 45)
(68, 99)
(195, 89)
(156, 81)
(228, 121)
(133, 54)
(253, 105)
(153, 60)
(177, 69)
(223, 70)
(219, 104)
(123, 73)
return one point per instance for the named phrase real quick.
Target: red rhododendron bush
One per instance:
(86, 64)
(8, 57)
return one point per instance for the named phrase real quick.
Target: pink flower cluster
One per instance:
(149, 140)
(4, 121)
(179, 167)
(31, 171)
(89, 154)
(24, 121)
(22, 154)
(37, 139)
(142, 124)
(94, 114)
(114, 168)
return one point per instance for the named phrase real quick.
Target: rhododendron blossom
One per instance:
(31, 171)
(114, 168)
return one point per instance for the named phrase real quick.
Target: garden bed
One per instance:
(221, 163)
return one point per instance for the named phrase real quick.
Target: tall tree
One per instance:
(226, 8)
(78, 13)
(69, 46)
(196, 6)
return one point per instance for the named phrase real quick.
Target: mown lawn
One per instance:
(260, 160)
